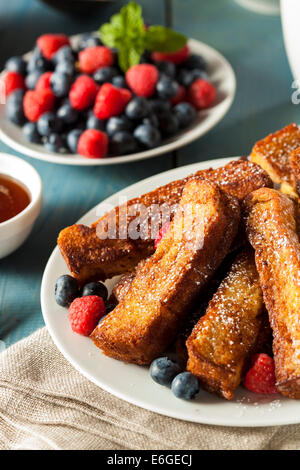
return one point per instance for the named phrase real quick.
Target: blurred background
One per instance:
(253, 44)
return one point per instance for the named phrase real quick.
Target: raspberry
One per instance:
(175, 57)
(110, 101)
(161, 234)
(142, 79)
(43, 82)
(83, 92)
(13, 81)
(201, 94)
(85, 313)
(261, 377)
(93, 144)
(50, 43)
(37, 103)
(93, 58)
(180, 96)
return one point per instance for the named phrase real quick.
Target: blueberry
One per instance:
(65, 53)
(55, 143)
(60, 84)
(66, 67)
(187, 77)
(163, 371)
(147, 135)
(31, 133)
(88, 40)
(118, 123)
(168, 124)
(122, 143)
(159, 106)
(37, 62)
(151, 119)
(95, 288)
(185, 385)
(66, 290)
(105, 75)
(137, 108)
(32, 78)
(166, 68)
(195, 62)
(94, 123)
(49, 123)
(16, 96)
(16, 64)
(109, 308)
(166, 87)
(146, 57)
(185, 114)
(67, 114)
(119, 81)
(14, 110)
(72, 139)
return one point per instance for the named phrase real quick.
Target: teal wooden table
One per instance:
(251, 42)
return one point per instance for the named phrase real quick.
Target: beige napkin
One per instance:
(46, 404)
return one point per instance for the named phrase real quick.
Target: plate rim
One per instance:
(139, 403)
(183, 140)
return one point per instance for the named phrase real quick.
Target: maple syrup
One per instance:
(14, 197)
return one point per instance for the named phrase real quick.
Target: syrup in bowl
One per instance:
(14, 197)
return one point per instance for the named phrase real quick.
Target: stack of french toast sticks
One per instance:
(223, 282)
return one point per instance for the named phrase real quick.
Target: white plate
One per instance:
(133, 383)
(222, 76)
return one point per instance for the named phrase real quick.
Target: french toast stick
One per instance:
(272, 154)
(152, 312)
(271, 229)
(222, 341)
(89, 257)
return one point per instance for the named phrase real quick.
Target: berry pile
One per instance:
(78, 100)
(87, 306)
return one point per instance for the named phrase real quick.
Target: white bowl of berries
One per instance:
(90, 101)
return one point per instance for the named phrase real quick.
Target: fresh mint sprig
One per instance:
(126, 32)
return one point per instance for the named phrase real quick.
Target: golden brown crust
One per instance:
(148, 318)
(225, 337)
(271, 229)
(90, 258)
(121, 288)
(294, 161)
(272, 154)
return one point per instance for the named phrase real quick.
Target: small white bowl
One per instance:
(13, 232)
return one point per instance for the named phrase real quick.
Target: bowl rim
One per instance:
(35, 199)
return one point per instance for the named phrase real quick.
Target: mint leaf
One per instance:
(161, 39)
(126, 32)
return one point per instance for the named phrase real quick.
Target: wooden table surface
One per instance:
(251, 42)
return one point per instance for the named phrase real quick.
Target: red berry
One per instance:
(111, 101)
(93, 58)
(142, 79)
(36, 103)
(85, 313)
(201, 94)
(13, 81)
(83, 92)
(175, 57)
(43, 82)
(161, 234)
(261, 377)
(180, 96)
(50, 43)
(93, 144)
